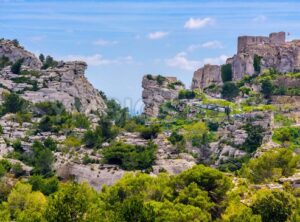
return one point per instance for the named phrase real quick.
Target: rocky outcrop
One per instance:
(65, 83)
(274, 52)
(271, 52)
(68, 84)
(14, 52)
(157, 90)
(206, 76)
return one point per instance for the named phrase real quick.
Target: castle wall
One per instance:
(276, 38)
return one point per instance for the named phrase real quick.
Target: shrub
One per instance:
(130, 157)
(81, 121)
(72, 142)
(226, 73)
(160, 79)
(175, 138)
(270, 166)
(49, 108)
(229, 91)
(17, 169)
(14, 103)
(15, 42)
(49, 63)
(150, 132)
(50, 144)
(17, 145)
(267, 88)
(273, 205)
(4, 61)
(186, 94)
(257, 63)
(46, 186)
(42, 58)
(287, 136)
(254, 138)
(16, 67)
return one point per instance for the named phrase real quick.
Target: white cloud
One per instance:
(208, 45)
(260, 18)
(182, 62)
(198, 23)
(157, 35)
(216, 60)
(102, 42)
(99, 60)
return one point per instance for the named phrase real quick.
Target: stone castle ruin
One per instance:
(275, 39)
(274, 52)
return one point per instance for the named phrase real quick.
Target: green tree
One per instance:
(42, 58)
(270, 166)
(267, 88)
(273, 205)
(71, 203)
(257, 63)
(16, 67)
(226, 73)
(13, 103)
(229, 91)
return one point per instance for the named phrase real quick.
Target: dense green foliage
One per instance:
(13, 103)
(287, 136)
(254, 138)
(270, 166)
(229, 91)
(257, 63)
(130, 157)
(226, 73)
(186, 94)
(16, 67)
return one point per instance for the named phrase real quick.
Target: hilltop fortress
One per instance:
(272, 52)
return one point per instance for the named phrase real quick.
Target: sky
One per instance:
(123, 40)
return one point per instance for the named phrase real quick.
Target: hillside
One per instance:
(226, 149)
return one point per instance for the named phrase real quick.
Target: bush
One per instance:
(17, 145)
(130, 157)
(150, 132)
(17, 169)
(288, 136)
(226, 73)
(46, 186)
(14, 103)
(16, 67)
(49, 63)
(175, 138)
(49, 108)
(160, 79)
(72, 142)
(229, 91)
(270, 166)
(257, 63)
(186, 94)
(254, 138)
(273, 205)
(267, 88)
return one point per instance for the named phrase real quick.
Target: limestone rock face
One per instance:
(206, 76)
(155, 93)
(68, 84)
(15, 52)
(65, 83)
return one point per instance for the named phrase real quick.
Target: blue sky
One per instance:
(123, 40)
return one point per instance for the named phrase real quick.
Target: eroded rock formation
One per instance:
(157, 90)
(206, 76)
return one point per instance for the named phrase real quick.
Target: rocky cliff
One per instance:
(65, 82)
(157, 90)
(206, 76)
(254, 55)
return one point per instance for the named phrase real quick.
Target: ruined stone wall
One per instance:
(275, 38)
